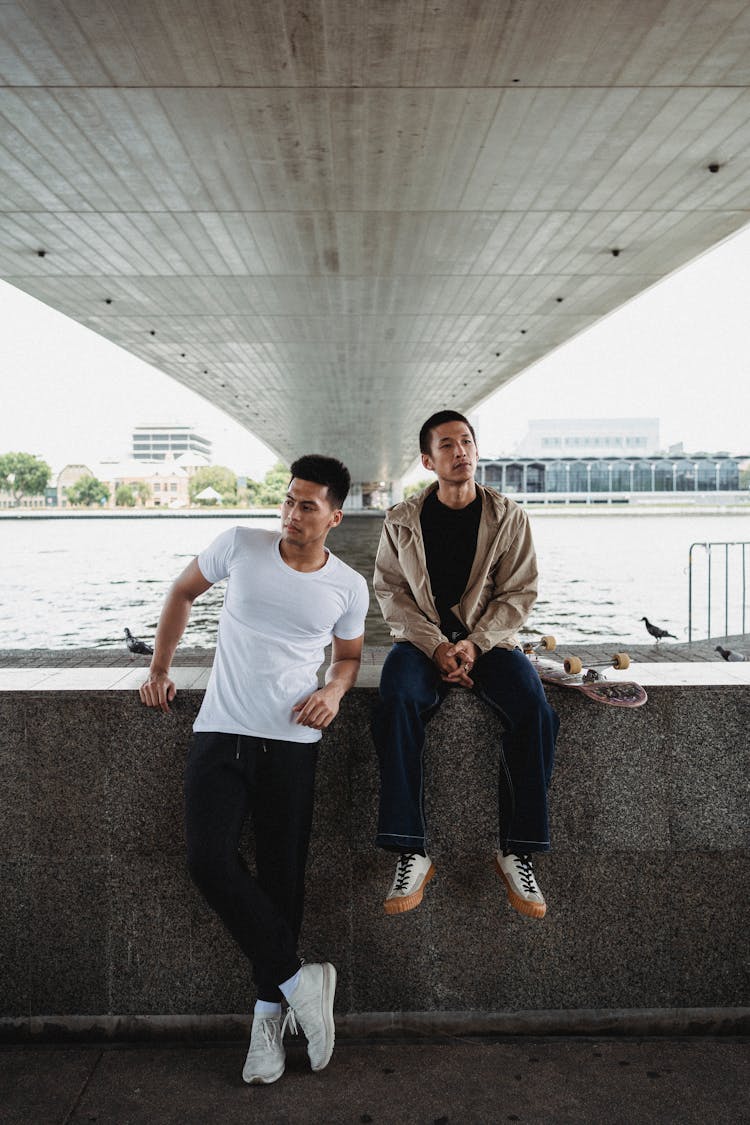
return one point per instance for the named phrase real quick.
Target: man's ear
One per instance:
(427, 462)
(336, 517)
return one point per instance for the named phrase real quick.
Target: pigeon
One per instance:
(727, 654)
(138, 648)
(655, 631)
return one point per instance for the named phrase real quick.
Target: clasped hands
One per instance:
(455, 661)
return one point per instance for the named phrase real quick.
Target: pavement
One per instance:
(617, 1081)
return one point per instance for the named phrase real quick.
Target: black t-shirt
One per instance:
(450, 543)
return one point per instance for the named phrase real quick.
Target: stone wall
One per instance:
(647, 885)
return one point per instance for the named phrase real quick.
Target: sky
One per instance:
(679, 352)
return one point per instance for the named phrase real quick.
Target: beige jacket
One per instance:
(502, 584)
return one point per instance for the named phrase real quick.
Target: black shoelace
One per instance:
(526, 873)
(403, 872)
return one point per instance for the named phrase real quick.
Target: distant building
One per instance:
(40, 501)
(155, 443)
(697, 472)
(590, 437)
(191, 462)
(68, 476)
(166, 480)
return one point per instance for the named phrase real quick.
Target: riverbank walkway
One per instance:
(462, 1081)
(186, 656)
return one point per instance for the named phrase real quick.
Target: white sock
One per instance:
(266, 1008)
(288, 986)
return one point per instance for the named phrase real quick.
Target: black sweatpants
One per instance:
(229, 777)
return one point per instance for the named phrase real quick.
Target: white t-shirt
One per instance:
(273, 629)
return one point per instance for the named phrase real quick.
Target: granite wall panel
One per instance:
(15, 840)
(16, 941)
(68, 942)
(647, 881)
(709, 768)
(68, 763)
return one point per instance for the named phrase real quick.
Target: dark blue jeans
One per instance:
(410, 692)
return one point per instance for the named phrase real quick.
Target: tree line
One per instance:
(23, 474)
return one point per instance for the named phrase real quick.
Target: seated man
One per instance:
(455, 577)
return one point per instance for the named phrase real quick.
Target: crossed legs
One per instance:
(229, 778)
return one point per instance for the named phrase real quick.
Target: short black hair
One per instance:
(425, 434)
(324, 470)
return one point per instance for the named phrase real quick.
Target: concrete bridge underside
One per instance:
(330, 217)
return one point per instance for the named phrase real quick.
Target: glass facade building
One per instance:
(683, 473)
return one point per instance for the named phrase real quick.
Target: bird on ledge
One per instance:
(655, 631)
(138, 648)
(727, 654)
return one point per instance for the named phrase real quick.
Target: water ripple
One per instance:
(116, 573)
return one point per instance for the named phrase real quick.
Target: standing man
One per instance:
(254, 747)
(455, 577)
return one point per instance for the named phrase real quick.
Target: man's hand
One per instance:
(456, 661)
(319, 709)
(158, 691)
(443, 657)
(467, 654)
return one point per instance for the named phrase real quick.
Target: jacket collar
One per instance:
(407, 513)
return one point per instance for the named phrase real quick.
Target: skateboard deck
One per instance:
(589, 681)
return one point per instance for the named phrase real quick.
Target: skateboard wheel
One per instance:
(549, 643)
(572, 665)
(621, 660)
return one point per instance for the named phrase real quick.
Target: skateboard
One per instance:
(570, 673)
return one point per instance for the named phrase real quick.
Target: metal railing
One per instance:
(739, 555)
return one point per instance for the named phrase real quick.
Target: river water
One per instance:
(71, 583)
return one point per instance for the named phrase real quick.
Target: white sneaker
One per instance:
(517, 873)
(311, 1006)
(413, 873)
(266, 1056)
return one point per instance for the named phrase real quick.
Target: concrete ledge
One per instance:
(194, 677)
(647, 884)
(370, 1026)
